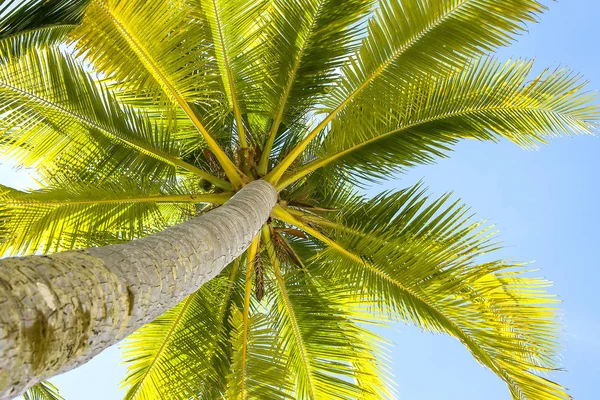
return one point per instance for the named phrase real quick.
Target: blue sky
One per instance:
(543, 201)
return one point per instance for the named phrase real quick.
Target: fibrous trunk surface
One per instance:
(58, 311)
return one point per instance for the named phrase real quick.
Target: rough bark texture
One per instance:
(58, 311)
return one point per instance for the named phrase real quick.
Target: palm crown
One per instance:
(149, 113)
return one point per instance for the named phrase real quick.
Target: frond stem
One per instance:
(250, 256)
(234, 100)
(228, 166)
(264, 159)
(286, 300)
(211, 198)
(318, 220)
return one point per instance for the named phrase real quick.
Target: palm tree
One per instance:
(230, 139)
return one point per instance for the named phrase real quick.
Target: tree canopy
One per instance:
(138, 116)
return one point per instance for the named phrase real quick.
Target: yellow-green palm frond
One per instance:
(235, 29)
(265, 372)
(36, 23)
(418, 260)
(407, 39)
(322, 337)
(204, 348)
(163, 53)
(51, 109)
(310, 39)
(185, 352)
(71, 214)
(373, 369)
(160, 52)
(42, 391)
(423, 119)
(307, 42)
(194, 351)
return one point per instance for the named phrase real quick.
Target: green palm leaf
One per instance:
(36, 23)
(323, 340)
(194, 350)
(147, 58)
(265, 376)
(407, 39)
(67, 214)
(42, 391)
(411, 38)
(52, 109)
(174, 356)
(484, 100)
(419, 262)
(234, 35)
(162, 53)
(309, 40)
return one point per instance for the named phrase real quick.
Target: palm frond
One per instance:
(52, 109)
(160, 52)
(42, 391)
(323, 340)
(36, 23)
(234, 33)
(183, 354)
(484, 100)
(69, 214)
(195, 350)
(308, 40)
(418, 261)
(407, 39)
(265, 376)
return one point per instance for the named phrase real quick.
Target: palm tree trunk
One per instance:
(58, 311)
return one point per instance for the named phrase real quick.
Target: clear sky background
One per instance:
(544, 202)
